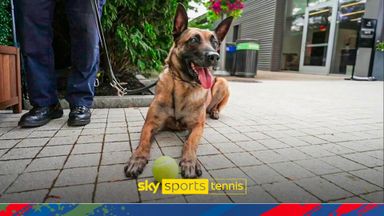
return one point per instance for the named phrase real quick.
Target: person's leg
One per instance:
(35, 33)
(34, 25)
(84, 53)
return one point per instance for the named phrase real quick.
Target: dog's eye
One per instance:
(215, 44)
(194, 40)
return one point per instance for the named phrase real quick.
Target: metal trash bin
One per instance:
(230, 57)
(247, 51)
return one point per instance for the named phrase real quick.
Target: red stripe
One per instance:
(15, 209)
(291, 209)
(346, 208)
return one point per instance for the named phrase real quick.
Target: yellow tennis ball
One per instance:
(165, 167)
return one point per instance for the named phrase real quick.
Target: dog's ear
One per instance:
(180, 23)
(222, 29)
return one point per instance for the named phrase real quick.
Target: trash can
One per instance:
(247, 51)
(230, 52)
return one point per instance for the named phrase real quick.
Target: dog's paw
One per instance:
(135, 166)
(190, 168)
(214, 115)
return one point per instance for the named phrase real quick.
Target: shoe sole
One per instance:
(41, 123)
(78, 123)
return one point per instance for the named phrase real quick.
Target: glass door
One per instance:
(318, 38)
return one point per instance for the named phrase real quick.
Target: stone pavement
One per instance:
(295, 141)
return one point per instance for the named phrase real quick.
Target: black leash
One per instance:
(114, 82)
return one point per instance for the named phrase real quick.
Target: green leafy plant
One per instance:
(139, 33)
(5, 23)
(380, 46)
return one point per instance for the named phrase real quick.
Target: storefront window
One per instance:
(293, 31)
(347, 27)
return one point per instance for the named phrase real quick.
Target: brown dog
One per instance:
(185, 92)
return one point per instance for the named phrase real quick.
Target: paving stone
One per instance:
(62, 140)
(258, 135)
(176, 199)
(92, 131)
(16, 134)
(75, 176)
(68, 133)
(316, 151)
(72, 194)
(291, 170)
(351, 183)
(289, 192)
(90, 139)
(32, 142)
(115, 157)
(215, 162)
(83, 160)
(36, 196)
(273, 144)
(6, 144)
(117, 146)
(33, 181)
(13, 166)
(255, 194)
(318, 166)
(312, 140)
(231, 173)
(371, 175)
(42, 133)
(5, 181)
(85, 148)
(172, 151)
(243, 159)
(227, 147)
(114, 172)
(236, 137)
(322, 188)
(269, 156)
(263, 174)
(251, 146)
(116, 137)
(49, 163)
(96, 125)
(116, 130)
(337, 149)
(365, 159)
(342, 163)
(50, 151)
(207, 149)
(375, 197)
(21, 153)
(292, 154)
(293, 141)
(117, 192)
(350, 200)
(207, 199)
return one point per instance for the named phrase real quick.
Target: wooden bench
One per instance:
(10, 79)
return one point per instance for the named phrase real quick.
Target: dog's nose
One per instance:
(213, 57)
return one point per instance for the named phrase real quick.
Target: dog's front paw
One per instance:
(135, 166)
(190, 168)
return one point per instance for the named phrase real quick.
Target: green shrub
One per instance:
(139, 33)
(380, 46)
(5, 23)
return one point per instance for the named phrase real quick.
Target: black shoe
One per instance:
(79, 116)
(39, 116)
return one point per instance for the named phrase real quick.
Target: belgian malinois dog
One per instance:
(185, 93)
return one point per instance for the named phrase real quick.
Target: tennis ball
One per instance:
(165, 167)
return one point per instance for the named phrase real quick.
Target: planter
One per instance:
(10, 79)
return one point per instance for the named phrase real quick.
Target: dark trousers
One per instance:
(34, 25)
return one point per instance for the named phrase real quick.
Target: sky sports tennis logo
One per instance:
(232, 186)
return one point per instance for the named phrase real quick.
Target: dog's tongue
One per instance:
(205, 77)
